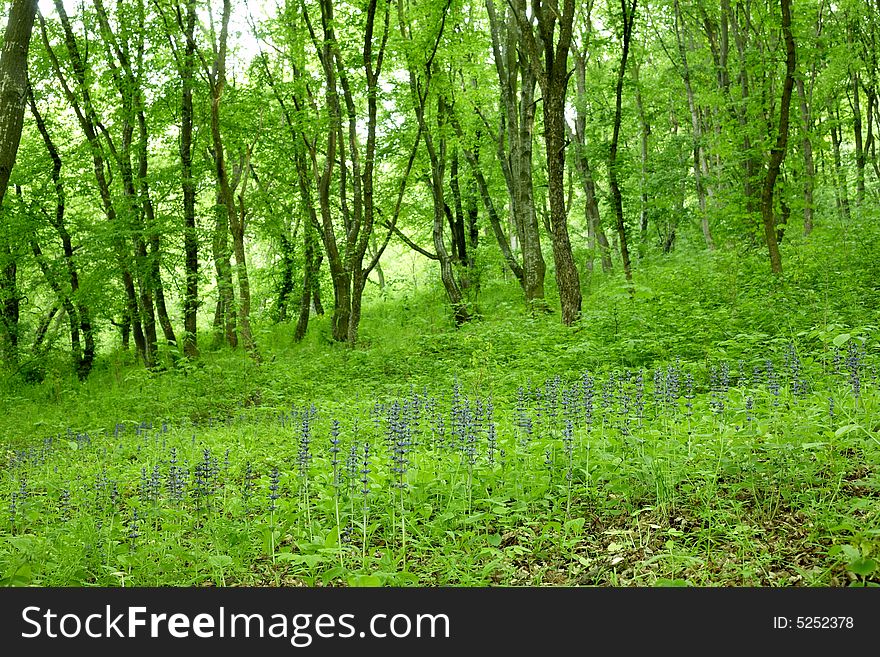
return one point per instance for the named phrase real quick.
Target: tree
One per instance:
(181, 28)
(577, 136)
(13, 94)
(548, 57)
(514, 141)
(13, 84)
(421, 75)
(777, 154)
(69, 298)
(629, 18)
(701, 164)
(124, 218)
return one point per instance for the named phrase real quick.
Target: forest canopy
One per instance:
(186, 169)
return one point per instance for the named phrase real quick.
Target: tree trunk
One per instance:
(644, 134)
(548, 58)
(629, 16)
(595, 232)
(310, 273)
(89, 122)
(749, 155)
(10, 302)
(807, 149)
(225, 314)
(494, 220)
(567, 277)
(13, 94)
(190, 236)
(857, 134)
(700, 164)
(777, 154)
(841, 189)
(237, 227)
(75, 307)
(13, 84)
(43, 329)
(514, 143)
(226, 212)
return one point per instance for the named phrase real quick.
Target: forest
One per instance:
(439, 293)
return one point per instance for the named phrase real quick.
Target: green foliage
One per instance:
(158, 478)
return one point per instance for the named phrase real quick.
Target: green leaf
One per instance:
(332, 538)
(220, 561)
(329, 575)
(574, 526)
(310, 560)
(841, 339)
(863, 566)
(364, 580)
(20, 577)
(851, 552)
(846, 429)
(671, 582)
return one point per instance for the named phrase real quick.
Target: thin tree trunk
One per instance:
(13, 84)
(80, 319)
(43, 329)
(870, 149)
(238, 226)
(310, 273)
(841, 189)
(807, 149)
(13, 94)
(498, 230)
(186, 21)
(595, 231)
(549, 63)
(225, 314)
(777, 154)
(616, 196)
(516, 131)
(10, 302)
(750, 157)
(644, 134)
(374, 251)
(857, 134)
(88, 120)
(700, 164)
(226, 213)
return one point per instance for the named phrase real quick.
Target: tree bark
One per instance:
(841, 189)
(514, 142)
(777, 154)
(644, 135)
(190, 237)
(629, 16)
(700, 164)
(310, 273)
(237, 228)
(228, 219)
(13, 93)
(494, 220)
(77, 311)
(807, 150)
(857, 134)
(595, 231)
(13, 84)
(548, 58)
(88, 119)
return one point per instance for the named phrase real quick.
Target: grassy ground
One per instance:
(719, 427)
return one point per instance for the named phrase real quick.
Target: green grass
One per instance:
(749, 482)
